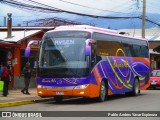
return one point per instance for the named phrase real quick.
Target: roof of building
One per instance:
(18, 35)
(150, 34)
(27, 28)
(151, 51)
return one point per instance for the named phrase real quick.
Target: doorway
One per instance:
(3, 56)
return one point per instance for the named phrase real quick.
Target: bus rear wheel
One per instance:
(58, 99)
(103, 92)
(136, 90)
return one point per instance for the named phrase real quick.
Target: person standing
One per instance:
(10, 72)
(5, 76)
(27, 77)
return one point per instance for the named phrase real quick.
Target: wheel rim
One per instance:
(136, 87)
(103, 91)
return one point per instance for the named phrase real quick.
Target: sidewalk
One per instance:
(16, 98)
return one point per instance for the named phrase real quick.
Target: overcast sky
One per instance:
(93, 7)
(102, 7)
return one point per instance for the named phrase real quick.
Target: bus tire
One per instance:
(103, 92)
(136, 90)
(58, 99)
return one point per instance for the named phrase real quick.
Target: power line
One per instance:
(44, 9)
(34, 2)
(49, 9)
(28, 6)
(88, 7)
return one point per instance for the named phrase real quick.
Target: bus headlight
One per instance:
(81, 86)
(39, 86)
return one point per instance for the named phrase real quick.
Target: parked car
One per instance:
(155, 79)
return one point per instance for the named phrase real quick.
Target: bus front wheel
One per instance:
(103, 92)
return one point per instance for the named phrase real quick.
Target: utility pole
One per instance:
(143, 18)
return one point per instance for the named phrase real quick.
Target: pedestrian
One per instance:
(27, 77)
(10, 72)
(5, 77)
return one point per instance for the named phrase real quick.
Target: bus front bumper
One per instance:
(78, 91)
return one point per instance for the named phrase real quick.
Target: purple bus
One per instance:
(92, 62)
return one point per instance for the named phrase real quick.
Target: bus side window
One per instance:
(127, 51)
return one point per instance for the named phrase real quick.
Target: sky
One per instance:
(92, 7)
(102, 7)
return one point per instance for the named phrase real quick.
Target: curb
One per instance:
(23, 102)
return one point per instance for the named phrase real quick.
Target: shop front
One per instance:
(12, 53)
(7, 58)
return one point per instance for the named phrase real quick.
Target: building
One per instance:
(12, 50)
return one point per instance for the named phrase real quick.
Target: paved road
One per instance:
(148, 100)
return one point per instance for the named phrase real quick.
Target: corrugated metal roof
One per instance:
(27, 28)
(4, 42)
(17, 35)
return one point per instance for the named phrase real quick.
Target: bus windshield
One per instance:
(64, 50)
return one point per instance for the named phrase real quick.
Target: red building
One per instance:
(12, 50)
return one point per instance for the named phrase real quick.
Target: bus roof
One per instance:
(73, 27)
(94, 29)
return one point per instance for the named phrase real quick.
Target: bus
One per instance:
(92, 62)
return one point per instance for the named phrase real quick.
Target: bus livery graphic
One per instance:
(91, 62)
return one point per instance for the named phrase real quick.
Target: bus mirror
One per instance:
(27, 51)
(28, 48)
(89, 43)
(88, 47)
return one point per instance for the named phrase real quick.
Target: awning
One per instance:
(157, 49)
(8, 44)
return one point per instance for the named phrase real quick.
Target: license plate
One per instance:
(153, 83)
(59, 93)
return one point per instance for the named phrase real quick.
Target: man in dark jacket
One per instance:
(27, 77)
